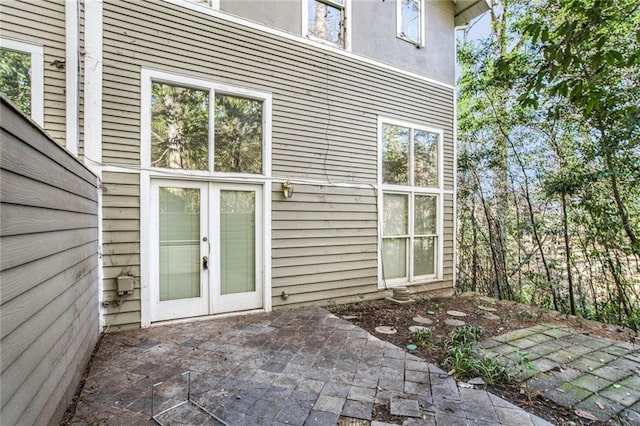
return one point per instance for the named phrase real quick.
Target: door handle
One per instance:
(205, 262)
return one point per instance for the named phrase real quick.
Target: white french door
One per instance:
(206, 248)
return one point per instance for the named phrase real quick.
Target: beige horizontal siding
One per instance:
(448, 240)
(324, 127)
(332, 100)
(42, 23)
(323, 243)
(121, 247)
(48, 272)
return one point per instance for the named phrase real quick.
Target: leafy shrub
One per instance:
(423, 336)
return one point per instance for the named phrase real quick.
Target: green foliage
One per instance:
(549, 131)
(15, 78)
(464, 361)
(524, 364)
(423, 337)
(463, 336)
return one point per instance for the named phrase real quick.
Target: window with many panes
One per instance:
(410, 179)
(203, 129)
(22, 77)
(326, 19)
(410, 18)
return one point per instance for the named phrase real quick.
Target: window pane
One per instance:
(426, 158)
(395, 214)
(411, 20)
(395, 155)
(238, 135)
(237, 241)
(179, 127)
(425, 215)
(325, 22)
(424, 256)
(179, 243)
(15, 78)
(394, 257)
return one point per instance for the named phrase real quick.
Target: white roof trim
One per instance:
(467, 10)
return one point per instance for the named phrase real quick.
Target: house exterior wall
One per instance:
(48, 272)
(372, 31)
(326, 107)
(374, 35)
(42, 23)
(285, 15)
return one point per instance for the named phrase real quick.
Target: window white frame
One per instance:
(411, 192)
(147, 173)
(37, 74)
(149, 77)
(400, 34)
(346, 20)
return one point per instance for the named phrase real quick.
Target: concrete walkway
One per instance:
(297, 367)
(597, 377)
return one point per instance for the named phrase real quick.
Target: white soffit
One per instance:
(466, 10)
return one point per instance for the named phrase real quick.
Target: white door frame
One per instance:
(240, 301)
(179, 308)
(147, 250)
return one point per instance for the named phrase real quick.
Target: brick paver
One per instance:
(296, 366)
(593, 374)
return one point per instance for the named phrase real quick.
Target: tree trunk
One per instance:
(567, 249)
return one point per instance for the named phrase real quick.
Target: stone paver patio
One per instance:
(298, 367)
(590, 374)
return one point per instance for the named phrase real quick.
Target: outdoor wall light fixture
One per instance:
(287, 189)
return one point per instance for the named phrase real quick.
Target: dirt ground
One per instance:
(500, 318)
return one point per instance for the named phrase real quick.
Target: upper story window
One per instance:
(410, 19)
(409, 156)
(326, 21)
(198, 126)
(22, 77)
(410, 202)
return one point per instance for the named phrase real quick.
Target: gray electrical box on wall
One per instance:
(124, 285)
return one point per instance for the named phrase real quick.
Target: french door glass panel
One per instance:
(237, 242)
(179, 241)
(207, 248)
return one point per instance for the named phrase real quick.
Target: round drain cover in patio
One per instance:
(456, 314)
(415, 328)
(454, 322)
(422, 320)
(385, 329)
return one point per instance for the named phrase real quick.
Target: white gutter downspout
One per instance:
(93, 117)
(71, 72)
